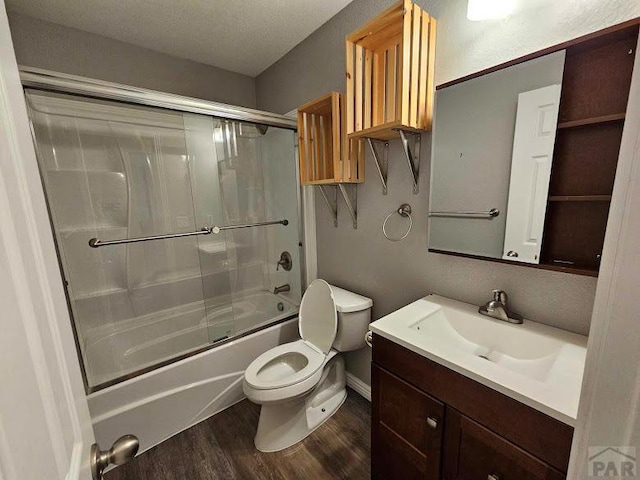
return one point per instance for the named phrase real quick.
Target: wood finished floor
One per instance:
(222, 448)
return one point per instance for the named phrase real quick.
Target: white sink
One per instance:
(538, 365)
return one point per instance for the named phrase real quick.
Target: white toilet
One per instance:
(302, 383)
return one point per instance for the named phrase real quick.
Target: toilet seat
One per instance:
(273, 369)
(300, 362)
(318, 323)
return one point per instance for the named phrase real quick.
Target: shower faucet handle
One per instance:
(285, 261)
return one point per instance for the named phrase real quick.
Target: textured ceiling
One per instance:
(241, 36)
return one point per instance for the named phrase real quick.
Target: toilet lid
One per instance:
(318, 322)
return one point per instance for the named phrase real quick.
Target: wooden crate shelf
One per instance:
(389, 68)
(326, 155)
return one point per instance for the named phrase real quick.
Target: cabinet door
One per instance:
(407, 430)
(473, 452)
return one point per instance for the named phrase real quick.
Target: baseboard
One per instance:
(359, 386)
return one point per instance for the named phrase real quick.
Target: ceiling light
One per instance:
(489, 9)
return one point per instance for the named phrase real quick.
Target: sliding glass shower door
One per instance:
(115, 171)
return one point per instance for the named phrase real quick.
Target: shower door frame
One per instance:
(47, 80)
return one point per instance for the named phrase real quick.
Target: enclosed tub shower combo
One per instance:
(177, 224)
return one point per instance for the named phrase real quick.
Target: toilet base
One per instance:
(282, 425)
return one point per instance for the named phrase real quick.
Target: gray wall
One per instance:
(394, 274)
(54, 47)
(473, 144)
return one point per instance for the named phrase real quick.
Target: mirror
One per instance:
(525, 155)
(493, 143)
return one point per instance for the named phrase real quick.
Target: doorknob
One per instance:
(122, 450)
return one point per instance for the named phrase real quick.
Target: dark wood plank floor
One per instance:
(222, 448)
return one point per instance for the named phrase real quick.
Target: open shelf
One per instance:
(580, 198)
(387, 131)
(576, 270)
(585, 160)
(597, 76)
(574, 234)
(617, 117)
(595, 91)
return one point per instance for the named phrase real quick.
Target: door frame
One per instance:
(45, 425)
(610, 399)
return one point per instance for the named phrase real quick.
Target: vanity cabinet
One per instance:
(429, 422)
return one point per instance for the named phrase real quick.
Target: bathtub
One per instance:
(156, 405)
(138, 343)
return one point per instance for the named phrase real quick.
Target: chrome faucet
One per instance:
(282, 288)
(497, 308)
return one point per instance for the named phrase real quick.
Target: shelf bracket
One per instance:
(382, 164)
(333, 205)
(352, 203)
(413, 157)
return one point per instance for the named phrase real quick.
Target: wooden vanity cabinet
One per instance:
(429, 422)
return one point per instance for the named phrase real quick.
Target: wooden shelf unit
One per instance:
(389, 68)
(580, 198)
(595, 91)
(592, 121)
(326, 155)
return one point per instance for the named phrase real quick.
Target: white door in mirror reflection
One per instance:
(533, 142)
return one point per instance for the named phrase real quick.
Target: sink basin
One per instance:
(537, 364)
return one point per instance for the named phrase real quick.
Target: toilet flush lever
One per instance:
(122, 450)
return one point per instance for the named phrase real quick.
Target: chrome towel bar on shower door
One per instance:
(494, 212)
(95, 243)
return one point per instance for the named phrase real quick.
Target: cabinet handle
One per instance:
(433, 424)
(493, 477)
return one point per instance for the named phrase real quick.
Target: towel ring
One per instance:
(403, 211)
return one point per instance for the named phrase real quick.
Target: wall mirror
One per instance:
(524, 155)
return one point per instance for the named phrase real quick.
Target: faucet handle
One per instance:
(500, 296)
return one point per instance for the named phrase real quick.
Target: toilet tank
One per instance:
(354, 315)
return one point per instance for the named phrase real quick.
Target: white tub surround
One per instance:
(538, 365)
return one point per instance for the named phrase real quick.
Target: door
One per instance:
(533, 143)
(45, 428)
(473, 452)
(406, 430)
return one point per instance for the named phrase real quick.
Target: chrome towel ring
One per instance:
(403, 211)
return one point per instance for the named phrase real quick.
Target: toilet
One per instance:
(302, 383)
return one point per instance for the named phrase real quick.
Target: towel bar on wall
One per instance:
(494, 212)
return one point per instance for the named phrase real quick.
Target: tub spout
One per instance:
(282, 288)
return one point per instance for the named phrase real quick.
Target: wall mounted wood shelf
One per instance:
(390, 64)
(326, 155)
(390, 89)
(328, 159)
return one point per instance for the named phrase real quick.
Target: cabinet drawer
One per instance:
(476, 453)
(407, 429)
